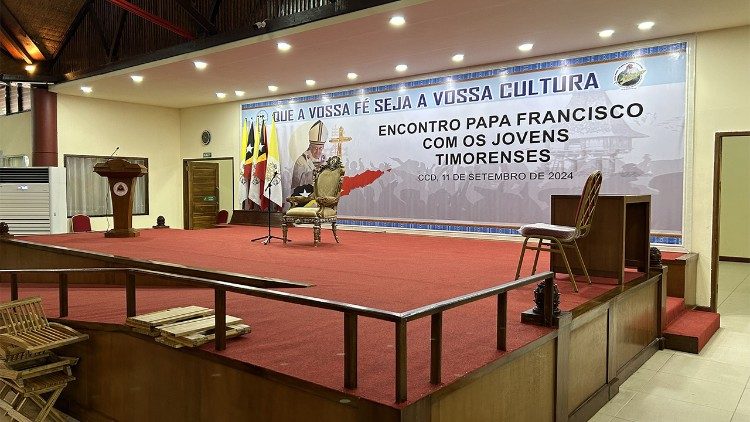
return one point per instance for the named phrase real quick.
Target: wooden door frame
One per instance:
(718, 140)
(186, 181)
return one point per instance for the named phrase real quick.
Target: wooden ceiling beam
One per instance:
(158, 20)
(115, 46)
(214, 11)
(198, 17)
(14, 27)
(82, 12)
(11, 45)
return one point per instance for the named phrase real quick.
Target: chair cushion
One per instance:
(309, 212)
(563, 233)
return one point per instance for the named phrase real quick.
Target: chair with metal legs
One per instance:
(554, 239)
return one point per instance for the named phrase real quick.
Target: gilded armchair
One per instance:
(321, 206)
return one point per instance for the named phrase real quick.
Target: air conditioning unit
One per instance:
(32, 200)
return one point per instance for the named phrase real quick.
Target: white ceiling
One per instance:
(485, 31)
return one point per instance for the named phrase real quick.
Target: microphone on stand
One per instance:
(113, 152)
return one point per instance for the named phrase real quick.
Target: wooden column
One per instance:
(44, 133)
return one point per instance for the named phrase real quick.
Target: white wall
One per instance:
(223, 121)
(722, 93)
(16, 134)
(88, 126)
(734, 225)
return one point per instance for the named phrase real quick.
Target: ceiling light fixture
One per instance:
(310, 82)
(397, 20)
(606, 33)
(31, 68)
(221, 95)
(645, 26)
(86, 89)
(401, 68)
(526, 47)
(352, 76)
(273, 88)
(200, 65)
(457, 58)
(283, 46)
(136, 78)
(239, 93)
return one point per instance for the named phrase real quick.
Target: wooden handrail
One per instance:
(350, 312)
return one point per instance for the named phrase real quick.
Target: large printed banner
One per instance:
(490, 147)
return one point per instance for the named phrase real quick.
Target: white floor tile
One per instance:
(744, 404)
(650, 408)
(736, 304)
(731, 339)
(616, 403)
(658, 360)
(696, 391)
(741, 417)
(601, 417)
(737, 322)
(638, 379)
(694, 366)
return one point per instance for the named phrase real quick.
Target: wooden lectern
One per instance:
(121, 175)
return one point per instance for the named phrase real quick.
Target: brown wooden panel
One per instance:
(521, 390)
(635, 322)
(587, 361)
(128, 378)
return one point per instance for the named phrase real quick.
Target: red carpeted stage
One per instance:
(394, 272)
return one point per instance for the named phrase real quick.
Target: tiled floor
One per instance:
(711, 386)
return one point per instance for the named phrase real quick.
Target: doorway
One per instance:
(731, 228)
(208, 186)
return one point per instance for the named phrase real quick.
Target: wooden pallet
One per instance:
(201, 338)
(147, 323)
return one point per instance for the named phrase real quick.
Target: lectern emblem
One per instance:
(120, 189)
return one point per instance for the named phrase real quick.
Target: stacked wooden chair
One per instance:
(32, 377)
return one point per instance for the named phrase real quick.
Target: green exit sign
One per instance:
(206, 155)
(209, 198)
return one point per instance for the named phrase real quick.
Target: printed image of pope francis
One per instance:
(312, 158)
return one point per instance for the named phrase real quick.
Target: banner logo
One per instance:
(629, 75)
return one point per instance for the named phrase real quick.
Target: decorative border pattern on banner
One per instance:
(661, 239)
(512, 70)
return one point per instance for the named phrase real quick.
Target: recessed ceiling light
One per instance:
(239, 93)
(401, 68)
(136, 78)
(645, 26)
(283, 46)
(221, 95)
(200, 65)
(526, 47)
(606, 33)
(310, 82)
(457, 58)
(352, 76)
(86, 89)
(273, 88)
(397, 20)
(31, 68)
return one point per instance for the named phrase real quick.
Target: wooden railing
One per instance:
(351, 312)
